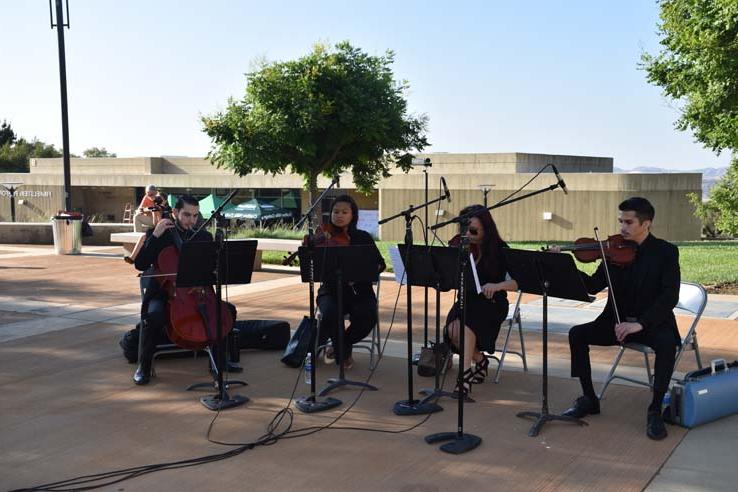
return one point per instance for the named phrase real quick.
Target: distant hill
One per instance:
(710, 175)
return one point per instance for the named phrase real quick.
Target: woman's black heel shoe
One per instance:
(466, 386)
(480, 370)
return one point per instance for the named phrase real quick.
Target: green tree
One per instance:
(331, 110)
(7, 135)
(97, 152)
(724, 197)
(14, 157)
(698, 67)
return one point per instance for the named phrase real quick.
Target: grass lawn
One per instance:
(704, 262)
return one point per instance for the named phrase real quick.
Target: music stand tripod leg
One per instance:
(543, 416)
(334, 383)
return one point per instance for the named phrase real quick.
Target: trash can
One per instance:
(67, 229)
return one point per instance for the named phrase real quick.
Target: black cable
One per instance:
(269, 438)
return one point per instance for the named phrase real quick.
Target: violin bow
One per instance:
(611, 293)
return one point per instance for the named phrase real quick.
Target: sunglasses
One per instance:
(473, 231)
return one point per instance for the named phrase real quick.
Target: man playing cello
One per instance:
(154, 304)
(646, 292)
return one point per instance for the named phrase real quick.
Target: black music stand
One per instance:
(203, 264)
(546, 274)
(436, 267)
(344, 264)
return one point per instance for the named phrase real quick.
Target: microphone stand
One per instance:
(462, 442)
(222, 400)
(313, 403)
(411, 406)
(499, 204)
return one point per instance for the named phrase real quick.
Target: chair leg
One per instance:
(648, 370)
(504, 352)
(609, 378)
(522, 344)
(697, 351)
(376, 347)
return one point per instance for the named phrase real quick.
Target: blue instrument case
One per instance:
(704, 395)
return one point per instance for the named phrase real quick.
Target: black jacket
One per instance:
(647, 290)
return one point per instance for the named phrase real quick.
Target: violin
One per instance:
(618, 250)
(327, 235)
(192, 311)
(473, 248)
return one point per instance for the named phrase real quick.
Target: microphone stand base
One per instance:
(311, 404)
(415, 407)
(543, 417)
(433, 395)
(460, 443)
(334, 383)
(215, 402)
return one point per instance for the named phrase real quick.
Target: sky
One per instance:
(538, 76)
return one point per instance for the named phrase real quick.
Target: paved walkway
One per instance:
(704, 460)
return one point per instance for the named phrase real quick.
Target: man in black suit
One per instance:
(646, 293)
(154, 315)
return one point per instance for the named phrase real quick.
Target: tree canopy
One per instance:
(334, 109)
(698, 67)
(7, 135)
(97, 152)
(14, 157)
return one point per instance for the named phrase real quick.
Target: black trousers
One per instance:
(602, 332)
(154, 316)
(362, 311)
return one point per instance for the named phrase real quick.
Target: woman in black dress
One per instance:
(485, 311)
(358, 300)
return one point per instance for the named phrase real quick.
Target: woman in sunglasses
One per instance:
(486, 311)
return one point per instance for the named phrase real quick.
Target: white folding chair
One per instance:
(512, 319)
(693, 299)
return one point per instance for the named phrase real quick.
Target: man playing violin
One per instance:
(154, 304)
(646, 292)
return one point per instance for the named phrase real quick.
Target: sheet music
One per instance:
(474, 272)
(397, 265)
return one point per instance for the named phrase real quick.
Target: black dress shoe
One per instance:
(142, 374)
(583, 406)
(655, 429)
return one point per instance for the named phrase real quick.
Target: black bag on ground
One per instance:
(299, 345)
(432, 357)
(129, 343)
(263, 334)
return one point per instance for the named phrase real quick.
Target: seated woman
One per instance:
(485, 312)
(358, 300)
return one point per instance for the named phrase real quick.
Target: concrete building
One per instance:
(102, 187)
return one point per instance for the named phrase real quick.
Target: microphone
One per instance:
(421, 162)
(561, 181)
(445, 189)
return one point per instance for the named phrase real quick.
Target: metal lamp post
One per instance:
(60, 25)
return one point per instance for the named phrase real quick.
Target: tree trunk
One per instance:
(312, 195)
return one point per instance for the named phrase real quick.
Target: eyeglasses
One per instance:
(473, 231)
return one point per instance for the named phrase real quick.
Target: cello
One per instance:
(191, 310)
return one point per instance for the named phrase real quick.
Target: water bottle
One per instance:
(308, 368)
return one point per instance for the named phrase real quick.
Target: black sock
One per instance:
(658, 398)
(587, 387)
